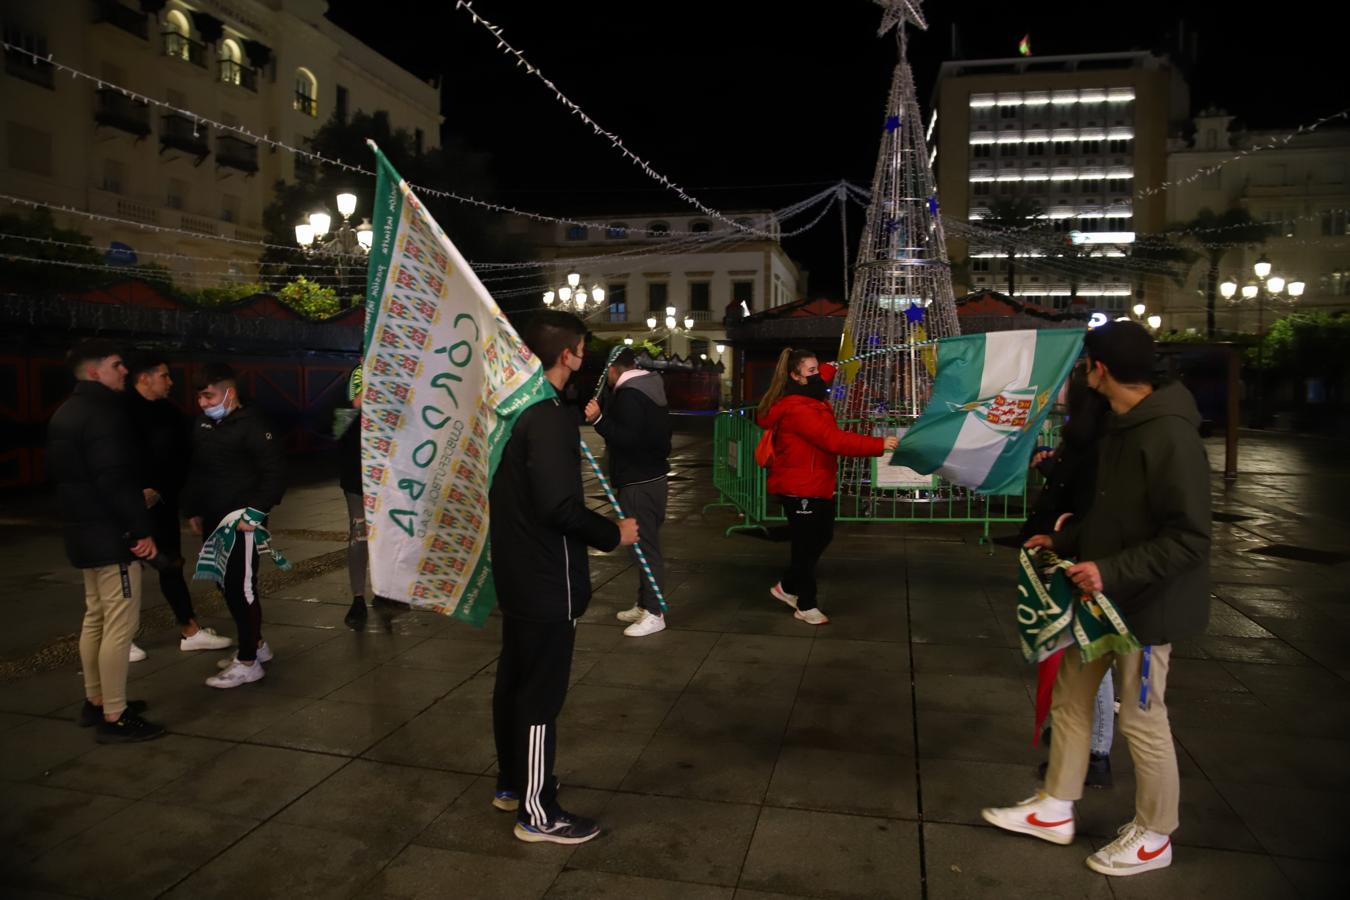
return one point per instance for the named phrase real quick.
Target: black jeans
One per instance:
(646, 502)
(168, 533)
(241, 594)
(811, 525)
(532, 675)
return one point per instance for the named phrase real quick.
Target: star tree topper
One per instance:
(899, 12)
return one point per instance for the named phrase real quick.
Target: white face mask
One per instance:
(220, 410)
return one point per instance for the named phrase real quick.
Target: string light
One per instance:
(614, 140)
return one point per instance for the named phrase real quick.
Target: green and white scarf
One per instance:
(1052, 613)
(218, 546)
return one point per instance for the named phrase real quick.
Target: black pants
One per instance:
(241, 594)
(811, 525)
(531, 686)
(646, 502)
(168, 534)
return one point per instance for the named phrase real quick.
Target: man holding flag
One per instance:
(541, 528)
(1145, 545)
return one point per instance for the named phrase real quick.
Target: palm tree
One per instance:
(1012, 218)
(1216, 234)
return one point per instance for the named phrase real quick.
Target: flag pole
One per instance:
(618, 511)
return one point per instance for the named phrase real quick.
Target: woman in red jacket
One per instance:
(806, 442)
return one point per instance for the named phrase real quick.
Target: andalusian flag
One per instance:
(991, 395)
(444, 376)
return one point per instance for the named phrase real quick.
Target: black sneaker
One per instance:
(91, 715)
(564, 828)
(356, 616)
(1099, 772)
(128, 729)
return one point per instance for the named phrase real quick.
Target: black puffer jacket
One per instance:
(236, 462)
(92, 457)
(165, 445)
(540, 525)
(636, 429)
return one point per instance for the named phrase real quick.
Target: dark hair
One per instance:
(214, 373)
(1087, 409)
(141, 361)
(551, 331)
(788, 362)
(624, 360)
(1125, 348)
(93, 350)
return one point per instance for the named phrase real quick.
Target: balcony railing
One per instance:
(132, 21)
(236, 154)
(116, 110)
(306, 104)
(700, 315)
(178, 132)
(185, 48)
(233, 73)
(25, 67)
(616, 315)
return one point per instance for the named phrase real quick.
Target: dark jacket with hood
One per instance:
(236, 462)
(92, 457)
(540, 525)
(636, 429)
(1149, 527)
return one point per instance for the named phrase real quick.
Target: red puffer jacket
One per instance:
(805, 444)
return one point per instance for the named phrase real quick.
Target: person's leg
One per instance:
(1149, 733)
(647, 503)
(358, 556)
(1071, 721)
(169, 540)
(504, 727)
(241, 594)
(1104, 716)
(816, 523)
(539, 699)
(91, 635)
(120, 590)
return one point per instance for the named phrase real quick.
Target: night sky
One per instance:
(749, 103)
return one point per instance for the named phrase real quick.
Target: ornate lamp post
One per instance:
(1265, 288)
(572, 296)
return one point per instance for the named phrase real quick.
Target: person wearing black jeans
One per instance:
(540, 529)
(165, 451)
(811, 528)
(238, 464)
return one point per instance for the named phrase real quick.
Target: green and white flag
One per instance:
(991, 394)
(445, 376)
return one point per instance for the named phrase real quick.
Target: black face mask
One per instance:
(815, 388)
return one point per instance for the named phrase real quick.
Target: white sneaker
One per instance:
(780, 594)
(204, 639)
(648, 624)
(812, 616)
(237, 674)
(1041, 816)
(630, 615)
(1129, 854)
(136, 654)
(264, 656)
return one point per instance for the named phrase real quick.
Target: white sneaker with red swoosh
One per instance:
(1042, 816)
(1135, 850)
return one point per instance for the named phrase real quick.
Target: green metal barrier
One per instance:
(742, 484)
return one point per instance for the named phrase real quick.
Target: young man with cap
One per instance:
(1144, 543)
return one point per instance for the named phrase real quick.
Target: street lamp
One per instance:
(571, 295)
(343, 243)
(1155, 322)
(1139, 310)
(669, 326)
(1266, 287)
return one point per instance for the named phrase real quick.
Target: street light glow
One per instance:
(1249, 291)
(346, 204)
(320, 221)
(1262, 267)
(1296, 288)
(1276, 284)
(304, 234)
(1228, 289)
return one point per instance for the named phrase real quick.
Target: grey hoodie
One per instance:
(636, 429)
(1149, 527)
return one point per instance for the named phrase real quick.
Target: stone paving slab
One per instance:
(738, 754)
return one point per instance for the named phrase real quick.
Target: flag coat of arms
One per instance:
(445, 376)
(990, 397)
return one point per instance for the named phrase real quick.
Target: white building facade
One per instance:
(702, 268)
(277, 68)
(1300, 187)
